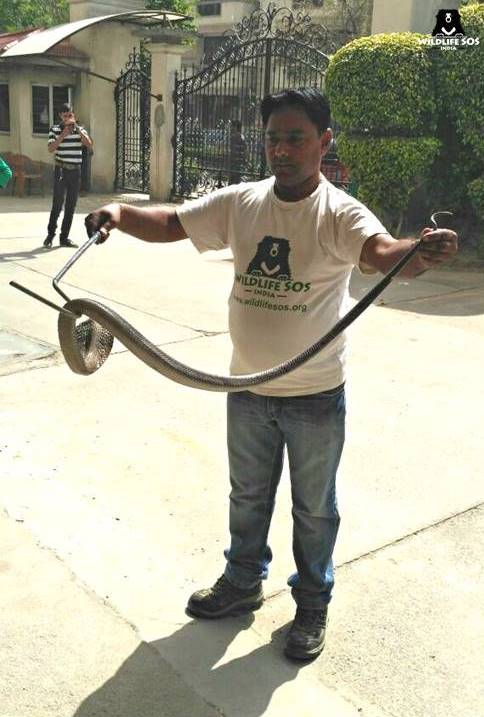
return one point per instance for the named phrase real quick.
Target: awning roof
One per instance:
(9, 39)
(38, 42)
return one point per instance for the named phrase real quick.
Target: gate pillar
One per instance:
(165, 61)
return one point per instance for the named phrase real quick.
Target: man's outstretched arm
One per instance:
(153, 224)
(381, 251)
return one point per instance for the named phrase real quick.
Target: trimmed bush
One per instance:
(381, 91)
(476, 195)
(460, 81)
(383, 85)
(387, 169)
(456, 165)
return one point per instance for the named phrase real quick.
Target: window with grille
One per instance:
(46, 103)
(4, 108)
(211, 44)
(209, 8)
(60, 96)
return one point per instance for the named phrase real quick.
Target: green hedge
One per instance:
(476, 194)
(455, 167)
(384, 85)
(460, 82)
(412, 117)
(387, 169)
(381, 91)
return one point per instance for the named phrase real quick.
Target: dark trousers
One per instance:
(66, 185)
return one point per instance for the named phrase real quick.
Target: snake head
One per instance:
(86, 345)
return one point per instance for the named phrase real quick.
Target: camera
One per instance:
(71, 125)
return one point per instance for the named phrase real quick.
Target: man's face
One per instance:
(67, 117)
(294, 148)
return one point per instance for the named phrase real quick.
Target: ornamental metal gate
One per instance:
(218, 136)
(133, 136)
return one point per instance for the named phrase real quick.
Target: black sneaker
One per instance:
(306, 636)
(225, 599)
(68, 242)
(48, 242)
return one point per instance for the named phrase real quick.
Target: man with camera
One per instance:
(66, 140)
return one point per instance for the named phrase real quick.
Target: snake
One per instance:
(87, 344)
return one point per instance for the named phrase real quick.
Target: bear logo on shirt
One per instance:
(271, 259)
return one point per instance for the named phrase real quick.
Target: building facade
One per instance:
(83, 69)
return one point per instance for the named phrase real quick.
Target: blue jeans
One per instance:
(258, 427)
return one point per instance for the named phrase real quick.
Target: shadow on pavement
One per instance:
(441, 294)
(460, 303)
(21, 205)
(148, 683)
(85, 204)
(30, 254)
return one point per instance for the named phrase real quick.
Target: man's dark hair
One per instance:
(65, 108)
(310, 100)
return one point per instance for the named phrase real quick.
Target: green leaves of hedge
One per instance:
(412, 113)
(460, 82)
(383, 84)
(387, 169)
(476, 193)
(381, 92)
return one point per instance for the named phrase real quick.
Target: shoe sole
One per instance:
(303, 656)
(237, 609)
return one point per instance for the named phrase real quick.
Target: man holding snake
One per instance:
(295, 240)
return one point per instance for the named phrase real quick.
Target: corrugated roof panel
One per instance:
(39, 41)
(8, 39)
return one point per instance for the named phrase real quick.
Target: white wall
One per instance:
(391, 16)
(20, 78)
(407, 15)
(108, 45)
(231, 13)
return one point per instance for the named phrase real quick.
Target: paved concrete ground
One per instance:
(114, 498)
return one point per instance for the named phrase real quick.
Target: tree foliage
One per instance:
(20, 14)
(184, 7)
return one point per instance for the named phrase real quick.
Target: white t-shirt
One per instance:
(292, 264)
